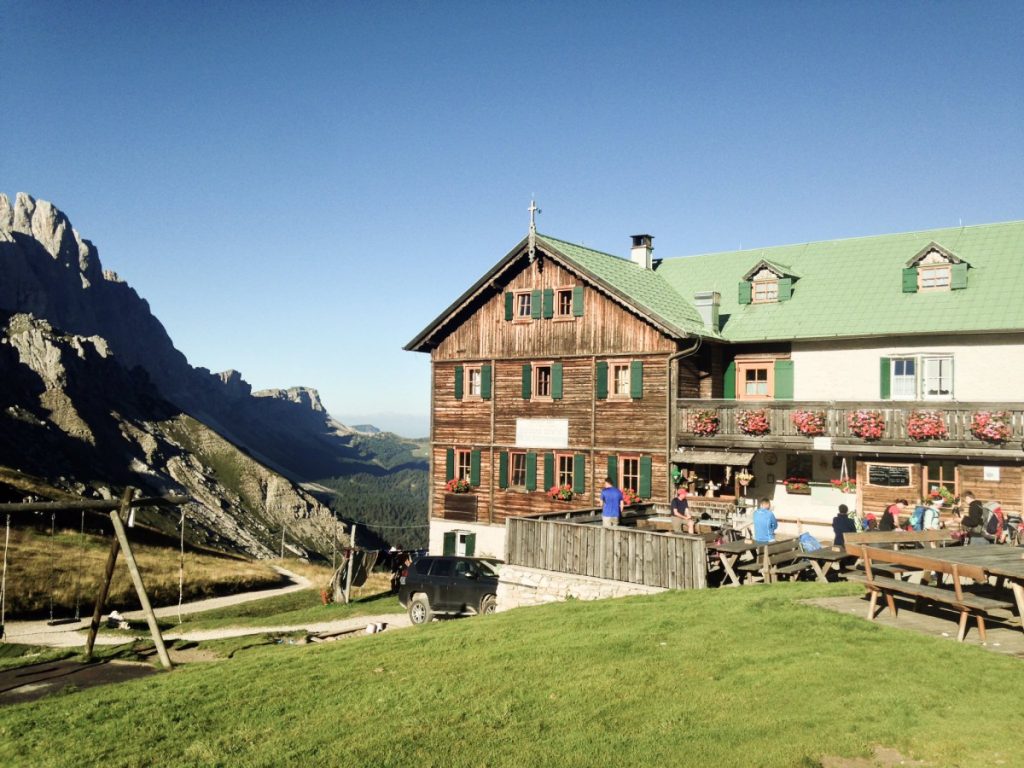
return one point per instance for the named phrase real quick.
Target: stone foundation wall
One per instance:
(519, 587)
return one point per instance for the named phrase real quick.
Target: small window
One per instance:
(755, 382)
(442, 567)
(563, 303)
(474, 382)
(463, 463)
(938, 378)
(904, 378)
(629, 473)
(618, 384)
(934, 277)
(517, 470)
(941, 474)
(524, 306)
(542, 382)
(765, 291)
(565, 465)
(755, 379)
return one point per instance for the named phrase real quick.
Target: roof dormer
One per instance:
(767, 283)
(934, 268)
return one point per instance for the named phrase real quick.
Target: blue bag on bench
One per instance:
(808, 543)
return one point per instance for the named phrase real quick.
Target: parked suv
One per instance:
(448, 585)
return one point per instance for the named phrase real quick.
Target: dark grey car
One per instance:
(448, 585)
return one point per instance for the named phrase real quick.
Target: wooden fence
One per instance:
(672, 561)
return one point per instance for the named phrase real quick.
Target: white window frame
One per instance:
(523, 306)
(765, 291)
(907, 389)
(924, 364)
(944, 363)
(935, 277)
(619, 379)
(474, 382)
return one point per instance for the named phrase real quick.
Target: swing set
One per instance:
(120, 511)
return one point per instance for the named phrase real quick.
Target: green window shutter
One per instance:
(783, 379)
(474, 468)
(470, 544)
(910, 280)
(729, 382)
(636, 379)
(449, 464)
(535, 304)
(645, 477)
(509, 304)
(958, 276)
(527, 380)
(745, 289)
(503, 469)
(885, 379)
(549, 303)
(459, 374)
(531, 471)
(485, 382)
(549, 470)
(449, 543)
(579, 473)
(556, 381)
(613, 469)
(577, 301)
(785, 288)
(601, 385)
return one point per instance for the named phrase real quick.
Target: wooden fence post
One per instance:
(108, 574)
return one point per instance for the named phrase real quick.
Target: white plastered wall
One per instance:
(986, 367)
(490, 539)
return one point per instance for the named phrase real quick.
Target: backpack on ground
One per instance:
(917, 519)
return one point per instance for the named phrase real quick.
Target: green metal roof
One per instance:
(849, 287)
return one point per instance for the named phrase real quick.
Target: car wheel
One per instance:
(489, 604)
(419, 610)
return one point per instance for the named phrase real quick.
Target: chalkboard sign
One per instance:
(889, 475)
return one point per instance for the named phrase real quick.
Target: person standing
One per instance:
(681, 512)
(611, 504)
(842, 525)
(765, 523)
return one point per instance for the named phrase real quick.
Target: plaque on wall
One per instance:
(991, 474)
(889, 475)
(542, 433)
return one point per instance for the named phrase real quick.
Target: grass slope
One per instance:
(724, 678)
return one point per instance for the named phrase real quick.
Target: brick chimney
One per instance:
(706, 303)
(640, 253)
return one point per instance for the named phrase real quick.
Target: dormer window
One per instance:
(765, 291)
(766, 283)
(934, 268)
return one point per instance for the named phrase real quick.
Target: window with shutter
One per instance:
(563, 304)
(527, 380)
(531, 471)
(601, 380)
(577, 301)
(509, 305)
(579, 473)
(485, 382)
(636, 379)
(745, 292)
(549, 303)
(729, 382)
(556, 381)
(613, 469)
(784, 380)
(517, 469)
(474, 468)
(503, 473)
(449, 464)
(549, 471)
(458, 382)
(535, 304)
(644, 488)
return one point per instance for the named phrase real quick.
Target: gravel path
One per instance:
(73, 634)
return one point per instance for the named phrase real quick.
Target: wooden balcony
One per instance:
(838, 435)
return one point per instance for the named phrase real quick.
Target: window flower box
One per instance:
(704, 423)
(630, 497)
(797, 485)
(845, 486)
(927, 425)
(991, 426)
(458, 485)
(753, 422)
(866, 424)
(809, 423)
(560, 493)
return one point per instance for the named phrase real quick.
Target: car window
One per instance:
(465, 568)
(489, 569)
(422, 566)
(442, 568)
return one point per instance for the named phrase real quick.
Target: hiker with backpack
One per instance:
(995, 524)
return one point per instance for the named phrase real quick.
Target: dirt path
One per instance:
(73, 634)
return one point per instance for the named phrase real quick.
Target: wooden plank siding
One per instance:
(621, 554)
(875, 498)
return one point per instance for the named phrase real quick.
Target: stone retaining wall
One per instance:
(519, 586)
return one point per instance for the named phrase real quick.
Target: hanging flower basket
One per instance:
(704, 423)
(846, 486)
(753, 422)
(457, 486)
(798, 485)
(943, 493)
(927, 425)
(991, 426)
(867, 425)
(810, 423)
(630, 497)
(560, 493)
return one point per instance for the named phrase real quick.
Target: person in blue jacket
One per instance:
(842, 525)
(764, 522)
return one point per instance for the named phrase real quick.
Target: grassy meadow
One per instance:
(746, 677)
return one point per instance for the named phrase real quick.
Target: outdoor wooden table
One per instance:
(729, 552)
(827, 559)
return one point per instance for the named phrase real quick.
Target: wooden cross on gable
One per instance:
(534, 210)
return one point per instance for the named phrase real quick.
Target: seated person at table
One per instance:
(891, 517)
(681, 512)
(995, 526)
(842, 525)
(974, 520)
(764, 522)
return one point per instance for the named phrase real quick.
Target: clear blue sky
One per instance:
(298, 189)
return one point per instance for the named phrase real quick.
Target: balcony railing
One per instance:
(897, 419)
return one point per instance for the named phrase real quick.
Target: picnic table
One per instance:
(729, 553)
(827, 559)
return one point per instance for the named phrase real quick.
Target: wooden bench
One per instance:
(893, 539)
(966, 603)
(779, 558)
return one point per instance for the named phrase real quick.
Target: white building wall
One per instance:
(985, 367)
(490, 539)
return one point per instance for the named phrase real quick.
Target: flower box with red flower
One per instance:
(630, 497)
(992, 426)
(866, 424)
(927, 425)
(797, 485)
(704, 423)
(809, 423)
(845, 486)
(560, 493)
(753, 422)
(458, 485)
